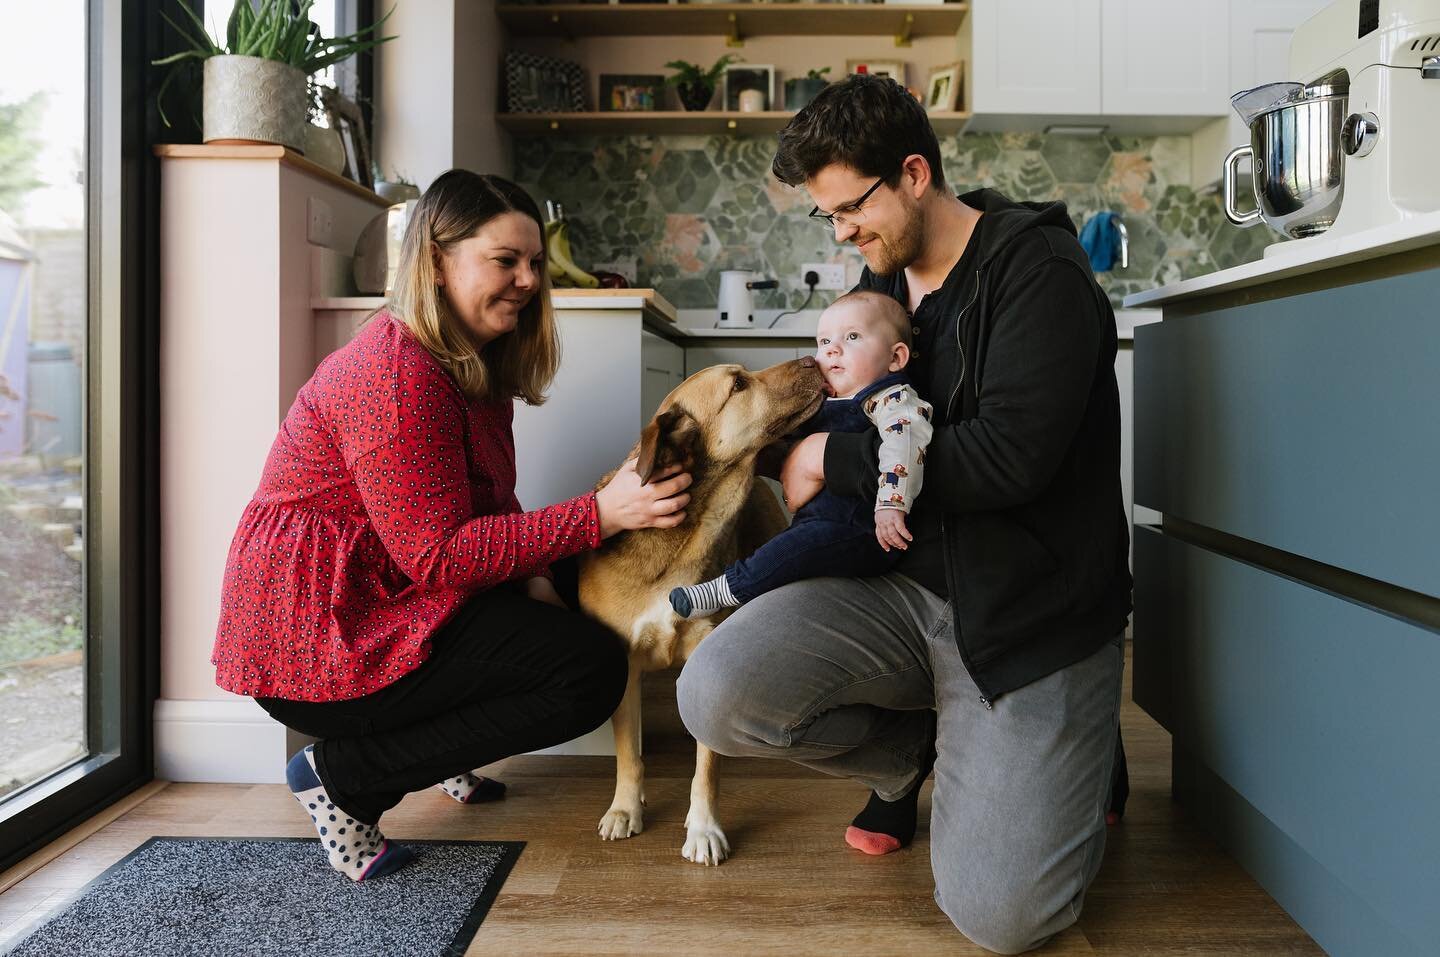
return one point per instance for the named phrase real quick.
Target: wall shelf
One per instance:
(673, 122)
(734, 21)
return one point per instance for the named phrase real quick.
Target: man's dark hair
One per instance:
(867, 123)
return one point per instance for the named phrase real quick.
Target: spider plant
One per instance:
(277, 30)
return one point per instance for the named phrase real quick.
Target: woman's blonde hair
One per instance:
(518, 365)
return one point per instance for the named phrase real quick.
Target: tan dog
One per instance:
(717, 420)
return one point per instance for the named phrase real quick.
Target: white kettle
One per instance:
(737, 308)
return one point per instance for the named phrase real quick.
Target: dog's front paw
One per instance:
(705, 843)
(621, 822)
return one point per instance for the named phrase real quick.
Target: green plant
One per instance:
(26, 638)
(277, 30)
(694, 74)
(817, 74)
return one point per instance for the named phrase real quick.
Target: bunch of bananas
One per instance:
(562, 268)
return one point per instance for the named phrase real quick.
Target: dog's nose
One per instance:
(808, 362)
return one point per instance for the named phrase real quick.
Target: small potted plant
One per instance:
(254, 86)
(396, 187)
(799, 91)
(695, 84)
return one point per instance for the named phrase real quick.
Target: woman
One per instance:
(384, 592)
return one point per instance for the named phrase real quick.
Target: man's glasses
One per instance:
(848, 215)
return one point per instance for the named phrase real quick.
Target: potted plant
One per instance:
(696, 85)
(254, 86)
(799, 91)
(396, 187)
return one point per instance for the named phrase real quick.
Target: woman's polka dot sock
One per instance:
(470, 788)
(359, 851)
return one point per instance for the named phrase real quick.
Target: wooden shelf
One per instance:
(267, 151)
(675, 122)
(733, 20)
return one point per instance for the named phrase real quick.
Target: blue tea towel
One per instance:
(1101, 241)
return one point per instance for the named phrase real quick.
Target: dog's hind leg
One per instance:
(705, 843)
(626, 816)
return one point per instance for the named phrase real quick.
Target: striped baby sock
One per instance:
(706, 598)
(470, 788)
(359, 851)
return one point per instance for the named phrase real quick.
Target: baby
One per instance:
(863, 345)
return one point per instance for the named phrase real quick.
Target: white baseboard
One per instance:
(229, 740)
(599, 741)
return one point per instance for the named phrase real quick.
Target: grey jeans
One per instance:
(839, 674)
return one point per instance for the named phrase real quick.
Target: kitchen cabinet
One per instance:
(1130, 65)
(662, 368)
(752, 355)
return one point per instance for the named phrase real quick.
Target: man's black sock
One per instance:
(885, 826)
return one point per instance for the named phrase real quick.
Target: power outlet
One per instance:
(832, 275)
(319, 221)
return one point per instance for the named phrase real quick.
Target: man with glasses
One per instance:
(994, 650)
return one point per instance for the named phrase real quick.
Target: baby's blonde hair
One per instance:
(885, 311)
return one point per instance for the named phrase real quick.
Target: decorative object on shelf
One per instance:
(696, 85)
(800, 90)
(255, 85)
(345, 118)
(894, 69)
(396, 187)
(942, 91)
(626, 93)
(377, 250)
(745, 78)
(322, 143)
(543, 84)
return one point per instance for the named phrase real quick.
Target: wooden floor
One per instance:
(792, 887)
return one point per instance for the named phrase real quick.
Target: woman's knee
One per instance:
(596, 676)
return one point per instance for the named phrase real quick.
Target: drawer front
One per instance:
(1321, 713)
(1309, 424)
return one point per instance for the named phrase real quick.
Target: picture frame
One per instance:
(630, 93)
(543, 84)
(942, 89)
(344, 116)
(740, 77)
(894, 69)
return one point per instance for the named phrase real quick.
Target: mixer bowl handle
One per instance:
(1245, 220)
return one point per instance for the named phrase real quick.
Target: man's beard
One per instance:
(904, 250)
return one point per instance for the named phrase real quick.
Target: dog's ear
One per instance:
(671, 437)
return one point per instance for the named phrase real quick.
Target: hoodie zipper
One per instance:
(985, 698)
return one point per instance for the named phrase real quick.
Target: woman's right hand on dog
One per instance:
(626, 503)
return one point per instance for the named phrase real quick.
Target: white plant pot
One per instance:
(247, 98)
(324, 148)
(396, 192)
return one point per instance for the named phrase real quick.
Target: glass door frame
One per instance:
(121, 401)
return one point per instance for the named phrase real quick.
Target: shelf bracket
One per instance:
(732, 36)
(902, 39)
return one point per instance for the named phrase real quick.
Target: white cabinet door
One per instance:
(662, 369)
(1036, 56)
(1165, 57)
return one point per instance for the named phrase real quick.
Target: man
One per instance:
(995, 649)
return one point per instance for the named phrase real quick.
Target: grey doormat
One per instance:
(275, 896)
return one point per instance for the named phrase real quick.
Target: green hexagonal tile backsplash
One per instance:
(685, 207)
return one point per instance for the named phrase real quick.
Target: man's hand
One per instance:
(541, 588)
(890, 529)
(803, 474)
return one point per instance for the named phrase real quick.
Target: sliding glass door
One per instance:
(76, 446)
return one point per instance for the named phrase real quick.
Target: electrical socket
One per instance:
(832, 275)
(320, 221)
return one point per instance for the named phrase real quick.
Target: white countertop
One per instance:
(1299, 257)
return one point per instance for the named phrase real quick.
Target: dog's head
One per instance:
(724, 413)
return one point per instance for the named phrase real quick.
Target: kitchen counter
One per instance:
(1299, 258)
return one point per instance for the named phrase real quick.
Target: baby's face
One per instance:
(853, 348)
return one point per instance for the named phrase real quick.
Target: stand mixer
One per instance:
(1355, 144)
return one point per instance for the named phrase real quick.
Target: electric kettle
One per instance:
(737, 308)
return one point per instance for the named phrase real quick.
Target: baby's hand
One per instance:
(890, 529)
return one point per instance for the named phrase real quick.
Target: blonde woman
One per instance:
(384, 592)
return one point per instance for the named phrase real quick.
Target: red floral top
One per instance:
(387, 500)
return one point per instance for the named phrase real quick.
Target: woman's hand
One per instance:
(624, 503)
(803, 474)
(541, 588)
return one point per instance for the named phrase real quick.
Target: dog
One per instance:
(716, 422)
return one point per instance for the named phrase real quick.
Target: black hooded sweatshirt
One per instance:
(1022, 495)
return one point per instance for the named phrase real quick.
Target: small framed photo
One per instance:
(624, 93)
(942, 91)
(894, 69)
(748, 88)
(543, 84)
(344, 116)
